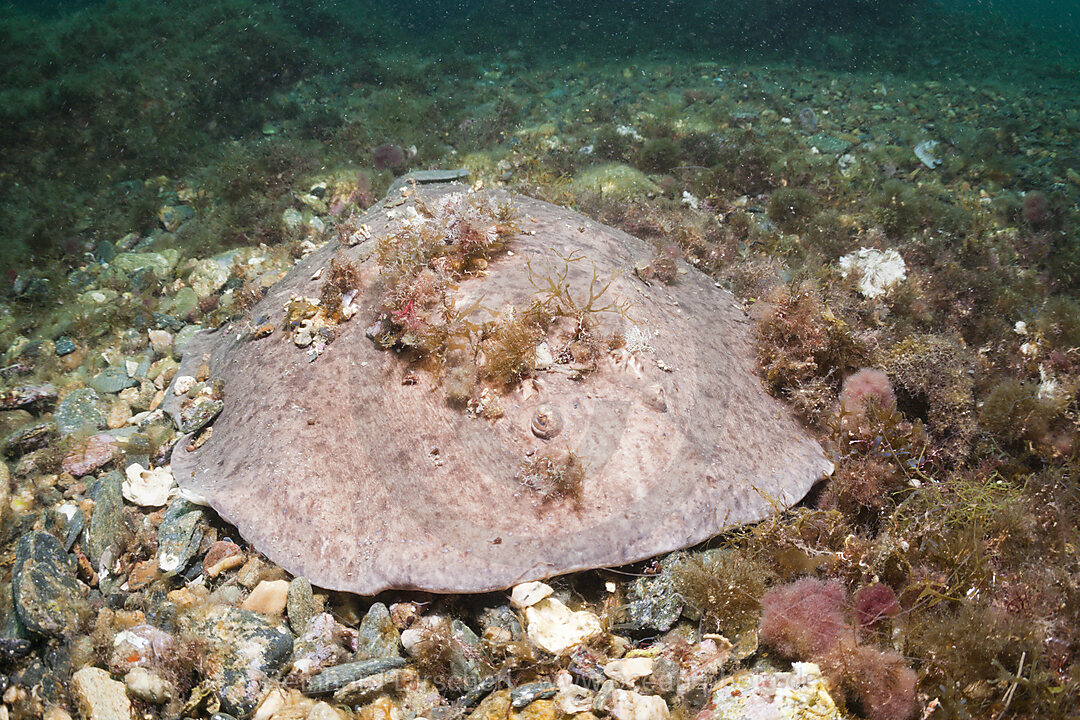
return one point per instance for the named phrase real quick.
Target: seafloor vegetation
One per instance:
(162, 163)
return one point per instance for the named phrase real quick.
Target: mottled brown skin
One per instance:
(361, 501)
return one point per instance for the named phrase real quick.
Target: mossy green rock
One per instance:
(80, 411)
(615, 181)
(107, 523)
(379, 638)
(48, 599)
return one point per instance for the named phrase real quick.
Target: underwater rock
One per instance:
(528, 594)
(300, 605)
(828, 144)
(243, 651)
(172, 217)
(179, 535)
(653, 604)
(553, 627)
(26, 395)
(199, 413)
(629, 705)
(522, 695)
(48, 598)
(223, 555)
(629, 670)
(801, 693)
(90, 454)
(106, 529)
(112, 379)
(268, 598)
(148, 686)
(339, 676)
(365, 689)
(378, 638)
(28, 438)
(99, 697)
(615, 181)
(65, 346)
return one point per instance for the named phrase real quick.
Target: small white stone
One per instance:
(183, 383)
(1020, 328)
(147, 686)
(544, 358)
(528, 594)
(629, 705)
(571, 699)
(99, 696)
(557, 629)
(160, 340)
(628, 670)
(147, 488)
(269, 598)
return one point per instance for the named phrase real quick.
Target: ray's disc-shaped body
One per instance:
(340, 472)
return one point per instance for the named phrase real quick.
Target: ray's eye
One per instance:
(546, 422)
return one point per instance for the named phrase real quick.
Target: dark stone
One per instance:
(378, 636)
(179, 535)
(653, 604)
(168, 322)
(522, 695)
(48, 598)
(65, 346)
(198, 413)
(28, 438)
(105, 537)
(243, 652)
(104, 251)
(334, 678)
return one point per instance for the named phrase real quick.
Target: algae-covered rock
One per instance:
(161, 263)
(112, 379)
(378, 636)
(179, 535)
(48, 598)
(243, 652)
(615, 181)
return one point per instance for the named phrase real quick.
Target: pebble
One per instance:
(182, 384)
(25, 395)
(528, 594)
(65, 346)
(222, 556)
(28, 438)
(119, 414)
(629, 705)
(147, 488)
(325, 644)
(112, 379)
(243, 651)
(523, 695)
(571, 698)
(91, 454)
(48, 599)
(300, 605)
(161, 341)
(105, 533)
(553, 627)
(161, 263)
(801, 693)
(653, 604)
(629, 670)
(142, 646)
(148, 686)
(99, 697)
(198, 413)
(378, 638)
(269, 598)
(179, 535)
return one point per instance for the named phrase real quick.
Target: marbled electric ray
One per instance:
(354, 471)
